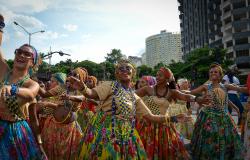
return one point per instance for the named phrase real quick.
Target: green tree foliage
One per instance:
(197, 64)
(144, 70)
(10, 63)
(114, 56)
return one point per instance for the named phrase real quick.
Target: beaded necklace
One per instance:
(120, 93)
(11, 100)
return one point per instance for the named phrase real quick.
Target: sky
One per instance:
(86, 29)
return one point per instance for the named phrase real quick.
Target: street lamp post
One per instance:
(29, 33)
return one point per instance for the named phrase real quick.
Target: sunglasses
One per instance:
(74, 75)
(125, 69)
(19, 52)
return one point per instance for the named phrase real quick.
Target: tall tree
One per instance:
(114, 56)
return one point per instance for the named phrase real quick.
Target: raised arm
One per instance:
(3, 65)
(142, 91)
(81, 86)
(27, 93)
(189, 97)
(236, 88)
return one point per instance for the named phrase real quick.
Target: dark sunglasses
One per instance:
(19, 52)
(125, 69)
(73, 74)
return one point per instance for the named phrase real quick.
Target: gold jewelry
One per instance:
(84, 90)
(39, 140)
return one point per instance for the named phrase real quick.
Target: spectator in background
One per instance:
(230, 78)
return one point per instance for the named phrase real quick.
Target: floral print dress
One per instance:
(215, 136)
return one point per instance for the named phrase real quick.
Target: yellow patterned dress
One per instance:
(185, 128)
(60, 140)
(160, 141)
(111, 134)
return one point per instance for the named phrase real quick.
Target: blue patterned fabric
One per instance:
(17, 142)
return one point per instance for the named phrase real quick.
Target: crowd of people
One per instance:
(77, 117)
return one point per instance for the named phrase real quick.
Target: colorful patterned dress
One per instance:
(86, 113)
(185, 128)
(111, 133)
(16, 138)
(215, 135)
(247, 132)
(161, 141)
(60, 140)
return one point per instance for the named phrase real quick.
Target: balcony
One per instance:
(241, 35)
(241, 10)
(216, 43)
(227, 14)
(243, 62)
(241, 47)
(227, 38)
(227, 26)
(241, 22)
(224, 4)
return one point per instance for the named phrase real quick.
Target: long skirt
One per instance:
(247, 136)
(17, 142)
(61, 141)
(161, 141)
(185, 128)
(215, 137)
(98, 143)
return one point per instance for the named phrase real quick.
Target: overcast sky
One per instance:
(87, 29)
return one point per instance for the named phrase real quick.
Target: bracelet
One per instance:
(173, 119)
(192, 98)
(195, 99)
(14, 89)
(39, 140)
(84, 90)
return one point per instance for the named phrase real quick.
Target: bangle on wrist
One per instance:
(195, 99)
(173, 119)
(39, 140)
(84, 88)
(192, 98)
(14, 89)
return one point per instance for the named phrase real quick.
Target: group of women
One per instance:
(75, 119)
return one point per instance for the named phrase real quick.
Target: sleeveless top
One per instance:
(16, 111)
(219, 99)
(157, 105)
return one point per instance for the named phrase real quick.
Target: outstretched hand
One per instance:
(183, 118)
(204, 100)
(75, 83)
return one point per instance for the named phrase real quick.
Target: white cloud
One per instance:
(26, 6)
(28, 22)
(70, 27)
(86, 36)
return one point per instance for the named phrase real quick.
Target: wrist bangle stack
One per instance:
(173, 119)
(14, 89)
(84, 90)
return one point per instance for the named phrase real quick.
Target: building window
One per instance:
(240, 4)
(240, 16)
(242, 53)
(229, 43)
(241, 41)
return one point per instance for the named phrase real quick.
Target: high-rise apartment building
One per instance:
(164, 47)
(217, 23)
